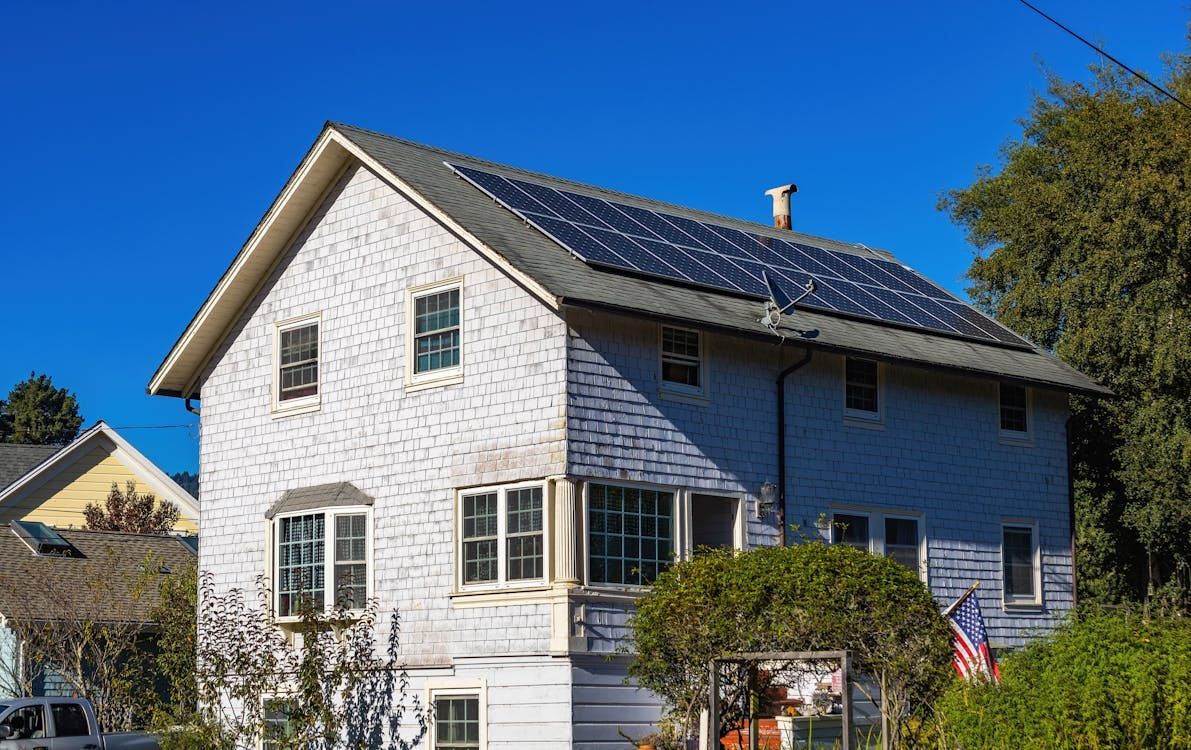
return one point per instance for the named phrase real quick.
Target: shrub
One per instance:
(1107, 681)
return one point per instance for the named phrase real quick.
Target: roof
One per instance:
(107, 579)
(54, 459)
(335, 495)
(17, 460)
(558, 278)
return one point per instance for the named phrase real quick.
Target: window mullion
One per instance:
(502, 543)
(330, 585)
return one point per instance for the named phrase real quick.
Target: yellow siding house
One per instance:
(53, 485)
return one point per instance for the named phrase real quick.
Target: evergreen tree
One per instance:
(38, 413)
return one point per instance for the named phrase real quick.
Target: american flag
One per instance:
(972, 660)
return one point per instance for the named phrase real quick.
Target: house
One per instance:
(410, 364)
(60, 581)
(53, 484)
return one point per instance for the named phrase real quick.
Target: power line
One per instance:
(1100, 50)
(156, 427)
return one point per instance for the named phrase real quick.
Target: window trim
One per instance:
(876, 531)
(330, 512)
(685, 548)
(501, 583)
(866, 418)
(1019, 603)
(669, 387)
(1016, 436)
(415, 381)
(302, 404)
(456, 687)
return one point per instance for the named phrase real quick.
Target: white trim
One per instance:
(1016, 437)
(165, 488)
(501, 584)
(444, 375)
(739, 524)
(329, 514)
(876, 530)
(303, 404)
(682, 392)
(1020, 603)
(456, 687)
(860, 417)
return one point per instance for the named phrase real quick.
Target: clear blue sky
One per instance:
(144, 140)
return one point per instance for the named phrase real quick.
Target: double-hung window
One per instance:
(1015, 411)
(502, 536)
(1020, 563)
(296, 364)
(321, 560)
(682, 369)
(630, 534)
(862, 388)
(896, 536)
(435, 349)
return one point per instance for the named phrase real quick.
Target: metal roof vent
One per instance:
(781, 204)
(42, 539)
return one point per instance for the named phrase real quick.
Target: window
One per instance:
(682, 358)
(25, 723)
(456, 722)
(630, 534)
(1014, 410)
(862, 388)
(435, 350)
(901, 542)
(851, 530)
(69, 720)
(304, 567)
(898, 537)
(715, 522)
(278, 728)
(296, 377)
(1019, 558)
(502, 536)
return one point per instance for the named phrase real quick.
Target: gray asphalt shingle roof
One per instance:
(17, 460)
(334, 495)
(579, 284)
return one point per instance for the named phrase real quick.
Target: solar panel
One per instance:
(620, 236)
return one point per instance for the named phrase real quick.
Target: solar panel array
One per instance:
(629, 238)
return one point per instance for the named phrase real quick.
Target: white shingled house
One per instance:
(503, 401)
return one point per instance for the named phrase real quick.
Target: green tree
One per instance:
(38, 413)
(1083, 243)
(131, 511)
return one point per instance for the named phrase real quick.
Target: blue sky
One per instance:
(144, 140)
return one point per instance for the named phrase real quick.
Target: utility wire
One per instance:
(1101, 51)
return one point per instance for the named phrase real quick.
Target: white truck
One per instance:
(61, 724)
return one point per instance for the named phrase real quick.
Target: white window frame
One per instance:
(1017, 436)
(501, 583)
(876, 531)
(1020, 602)
(456, 687)
(668, 387)
(303, 404)
(329, 513)
(443, 376)
(867, 418)
(686, 510)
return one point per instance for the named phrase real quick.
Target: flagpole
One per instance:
(962, 598)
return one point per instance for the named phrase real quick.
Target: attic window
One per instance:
(42, 540)
(682, 361)
(296, 364)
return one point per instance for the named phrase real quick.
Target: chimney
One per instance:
(781, 204)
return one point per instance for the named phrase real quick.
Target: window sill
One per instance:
(1021, 608)
(1022, 440)
(502, 597)
(875, 422)
(696, 399)
(412, 386)
(280, 412)
(289, 621)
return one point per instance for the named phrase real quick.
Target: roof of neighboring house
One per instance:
(17, 460)
(54, 459)
(104, 579)
(560, 279)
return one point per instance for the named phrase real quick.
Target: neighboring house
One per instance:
(54, 484)
(410, 392)
(71, 577)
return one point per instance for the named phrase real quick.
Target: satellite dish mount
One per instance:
(779, 303)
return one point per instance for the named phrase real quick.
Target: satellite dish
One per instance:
(779, 303)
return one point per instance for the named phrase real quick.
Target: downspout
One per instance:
(781, 441)
(190, 408)
(1071, 515)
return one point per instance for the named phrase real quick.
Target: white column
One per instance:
(566, 541)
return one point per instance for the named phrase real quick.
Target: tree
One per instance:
(1083, 241)
(176, 617)
(808, 597)
(38, 413)
(137, 513)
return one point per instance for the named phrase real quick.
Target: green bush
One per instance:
(1108, 681)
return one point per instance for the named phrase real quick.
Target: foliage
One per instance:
(325, 687)
(137, 513)
(1107, 681)
(37, 413)
(809, 596)
(187, 481)
(176, 616)
(1084, 244)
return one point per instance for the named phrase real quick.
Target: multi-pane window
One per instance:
(851, 530)
(630, 534)
(861, 386)
(894, 536)
(306, 575)
(456, 722)
(1014, 409)
(1018, 561)
(901, 542)
(436, 331)
(297, 361)
(502, 535)
(278, 727)
(682, 359)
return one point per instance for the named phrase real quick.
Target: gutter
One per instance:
(781, 440)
